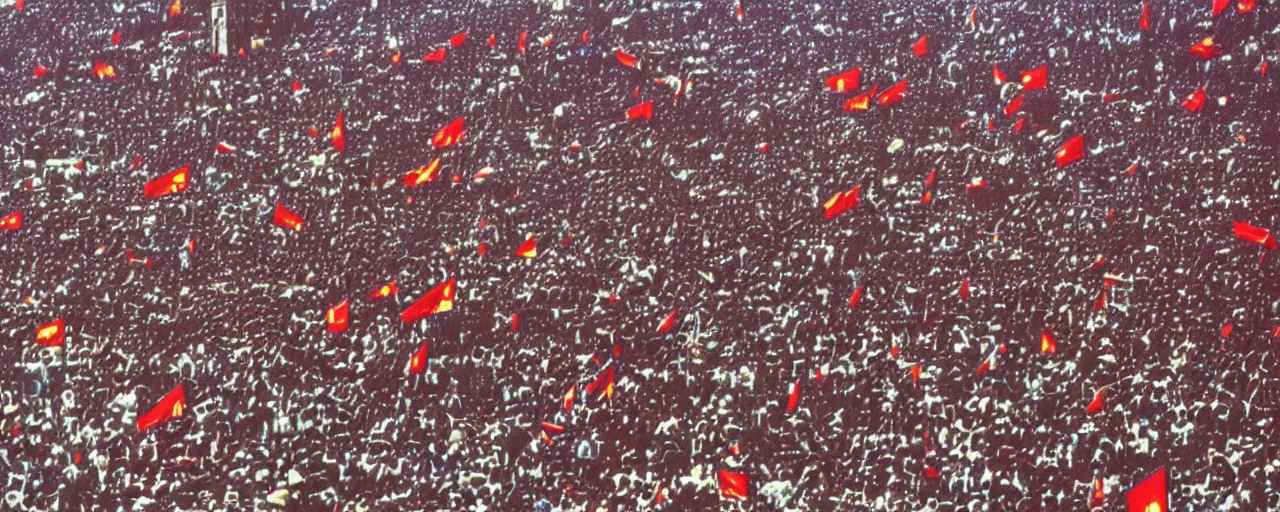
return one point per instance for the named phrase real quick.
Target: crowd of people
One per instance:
(991, 325)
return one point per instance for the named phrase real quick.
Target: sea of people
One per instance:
(992, 324)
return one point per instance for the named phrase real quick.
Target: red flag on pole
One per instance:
(1194, 101)
(286, 219)
(52, 334)
(856, 297)
(438, 300)
(794, 398)
(1048, 345)
(528, 249)
(424, 174)
(1071, 151)
(921, 48)
(1095, 406)
(449, 135)
(1152, 495)
(846, 81)
(418, 364)
(1253, 234)
(11, 222)
(337, 316)
(1037, 78)
(171, 406)
(841, 202)
(893, 94)
(640, 112)
(339, 134)
(436, 55)
(172, 183)
(667, 323)
(733, 485)
(625, 58)
(385, 290)
(862, 101)
(459, 39)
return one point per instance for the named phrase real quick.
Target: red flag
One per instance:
(19, 4)
(1144, 22)
(52, 334)
(459, 39)
(225, 148)
(286, 219)
(1246, 6)
(528, 249)
(1037, 78)
(40, 71)
(625, 58)
(297, 87)
(1048, 345)
(171, 406)
(337, 316)
(1220, 5)
(520, 43)
(438, 300)
(999, 76)
(175, 9)
(103, 71)
(569, 396)
(931, 473)
(1151, 495)
(862, 101)
(893, 94)
(1253, 234)
(339, 134)
(424, 174)
(640, 112)
(172, 183)
(115, 38)
(1017, 127)
(451, 134)
(384, 291)
(493, 40)
(841, 202)
(1095, 406)
(1071, 151)
(602, 382)
(586, 36)
(1227, 330)
(1206, 49)
(1098, 497)
(11, 222)
(794, 398)
(933, 175)
(921, 48)
(846, 81)
(1013, 106)
(552, 428)
(1194, 101)
(964, 289)
(436, 55)
(1101, 303)
(856, 297)
(667, 323)
(732, 485)
(982, 368)
(418, 363)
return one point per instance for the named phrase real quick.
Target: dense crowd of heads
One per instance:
(984, 328)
